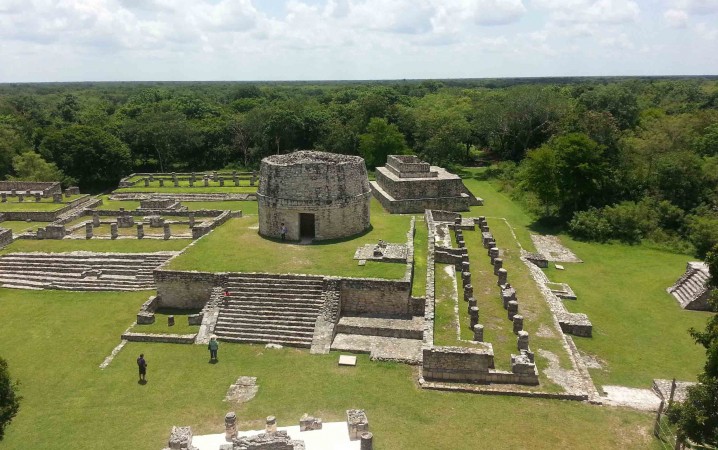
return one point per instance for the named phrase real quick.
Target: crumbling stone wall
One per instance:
(44, 188)
(5, 237)
(185, 289)
(335, 188)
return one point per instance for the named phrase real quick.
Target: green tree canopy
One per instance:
(30, 166)
(9, 398)
(95, 158)
(381, 140)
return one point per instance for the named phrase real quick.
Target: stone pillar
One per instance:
(57, 198)
(468, 292)
(191, 219)
(67, 194)
(221, 181)
(465, 266)
(230, 426)
(21, 197)
(192, 177)
(88, 230)
(95, 219)
(466, 278)
(461, 243)
(170, 321)
(271, 426)
(367, 441)
(513, 309)
(147, 182)
(13, 192)
(523, 340)
(175, 182)
(472, 303)
(457, 222)
(473, 316)
(493, 253)
(464, 255)
(162, 182)
(478, 332)
(253, 179)
(38, 197)
(206, 181)
(152, 177)
(503, 276)
(191, 182)
(140, 231)
(113, 230)
(498, 264)
(167, 231)
(235, 178)
(214, 175)
(518, 323)
(4, 197)
(41, 233)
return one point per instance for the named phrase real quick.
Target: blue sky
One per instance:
(81, 40)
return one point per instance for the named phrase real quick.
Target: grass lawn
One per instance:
(105, 230)
(418, 289)
(96, 245)
(54, 341)
(237, 247)
(18, 227)
(639, 330)
(108, 204)
(183, 188)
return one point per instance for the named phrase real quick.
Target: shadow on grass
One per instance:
(547, 225)
(322, 242)
(177, 311)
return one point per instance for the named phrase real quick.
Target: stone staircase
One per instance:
(270, 308)
(691, 287)
(81, 271)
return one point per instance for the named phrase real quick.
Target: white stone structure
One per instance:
(315, 195)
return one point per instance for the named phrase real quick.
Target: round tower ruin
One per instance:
(316, 195)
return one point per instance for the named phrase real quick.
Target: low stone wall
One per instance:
(165, 338)
(168, 213)
(205, 227)
(44, 216)
(185, 289)
(45, 188)
(5, 237)
(458, 363)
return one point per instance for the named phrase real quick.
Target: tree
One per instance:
(31, 167)
(539, 174)
(380, 140)
(95, 158)
(697, 417)
(9, 398)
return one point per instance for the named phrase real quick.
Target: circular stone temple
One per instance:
(315, 195)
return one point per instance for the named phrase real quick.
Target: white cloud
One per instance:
(676, 18)
(590, 11)
(699, 7)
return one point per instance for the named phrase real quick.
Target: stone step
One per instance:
(274, 288)
(49, 276)
(274, 295)
(261, 339)
(271, 307)
(252, 319)
(307, 329)
(20, 286)
(388, 327)
(275, 276)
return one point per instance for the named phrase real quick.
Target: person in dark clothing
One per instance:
(283, 231)
(213, 347)
(142, 365)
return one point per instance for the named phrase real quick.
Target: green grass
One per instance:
(18, 227)
(237, 247)
(639, 330)
(44, 205)
(214, 187)
(96, 245)
(247, 207)
(104, 230)
(108, 204)
(418, 288)
(54, 341)
(160, 326)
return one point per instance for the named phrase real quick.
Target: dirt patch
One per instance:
(593, 361)
(569, 380)
(545, 332)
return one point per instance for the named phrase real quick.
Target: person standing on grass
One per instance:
(283, 231)
(213, 346)
(142, 365)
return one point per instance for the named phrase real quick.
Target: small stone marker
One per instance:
(347, 360)
(362, 262)
(558, 266)
(170, 321)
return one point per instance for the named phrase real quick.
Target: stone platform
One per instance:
(380, 348)
(332, 436)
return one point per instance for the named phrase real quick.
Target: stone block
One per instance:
(498, 264)
(140, 231)
(521, 365)
(56, 198)
(147, 182)
(357, 423)
(194, 319)
(145, 318)
(230, 426)
(518, 320)
(221, 181)
(113, 230)
(88, 230)
(167, 231)
(180, 438)
(162, 182)
(513, 309)
(478, 330)
(503, 275)
(522, 342)
(95, 219)
(125, 221)
(4, 197)
(309, 423)
(38, 197)
(156, 221)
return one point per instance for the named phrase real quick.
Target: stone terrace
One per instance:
(81, 271)
(270, 308)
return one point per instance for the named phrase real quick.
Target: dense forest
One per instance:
(628, 159)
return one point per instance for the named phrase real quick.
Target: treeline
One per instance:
(621, 159)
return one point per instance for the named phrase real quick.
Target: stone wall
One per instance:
(409, 206)
(45, 188)
(334, 188)
(445, 185)
(5, 237)
(458, 363)
(375, 296)
(205, 227)
(44, 216)
(185, 289)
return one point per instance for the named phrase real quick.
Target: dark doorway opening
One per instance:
(306, 225)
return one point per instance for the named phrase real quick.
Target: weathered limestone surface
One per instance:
(333, 188)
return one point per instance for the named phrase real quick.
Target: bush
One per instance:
(630, 222)
(590, 225)
(703, 233)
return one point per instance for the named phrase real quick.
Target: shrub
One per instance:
(590, 225)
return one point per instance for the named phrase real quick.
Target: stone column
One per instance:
(461, 243)
(221, 181)
(57, 198)
(162, 182)
(21, 197)
(464, 256)
(214, 175)
(513, 309)
(230, 426)
(493, 253)
(468, 292)
(478, 332)
(503, 277)
(235, 178)
(113, 230)
(193, 177)
(466, 278)
(472, 303)
(175, 182)
(4, 197)
(523, 340)
(271, 426)
(152, 177)
(95, 219)
(140, 231)
(88, 230)
(13, 192)
(147, 182)
(206, 181)
(167, 231)
(41, 233)
(498, 264)
(473, 316)
(38, 197)
(191, 219)
(518, 323)
(253, 179)
(67, 194)
(191, 182)
(465, 266)
(367, 441)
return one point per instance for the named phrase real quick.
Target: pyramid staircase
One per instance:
(692, 285)
(270, 308)
(81, 271)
